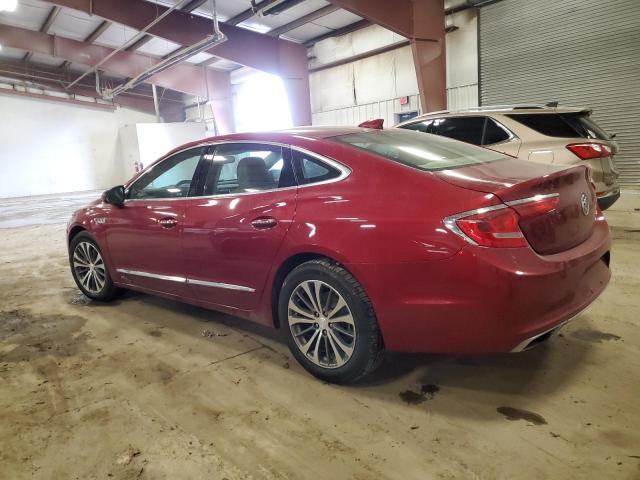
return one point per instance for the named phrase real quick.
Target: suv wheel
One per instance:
(330, 323)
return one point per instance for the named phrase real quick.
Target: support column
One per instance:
(220, 99)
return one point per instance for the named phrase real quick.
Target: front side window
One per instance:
(417, 150)
(171, 178)
(313, 170)
(247, 168)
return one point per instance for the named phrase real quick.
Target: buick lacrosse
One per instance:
(353, 241)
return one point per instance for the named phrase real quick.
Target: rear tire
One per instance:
(89, 269)
(330, 324)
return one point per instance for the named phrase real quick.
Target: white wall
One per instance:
(49, 147)
(370, 88)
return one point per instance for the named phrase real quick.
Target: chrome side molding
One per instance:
(191, 281)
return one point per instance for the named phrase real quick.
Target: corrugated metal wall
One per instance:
(355, 115)
(579, 52)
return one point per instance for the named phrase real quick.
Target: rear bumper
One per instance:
(607, 199)
(485, 300)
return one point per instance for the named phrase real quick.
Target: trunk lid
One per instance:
(567, 225)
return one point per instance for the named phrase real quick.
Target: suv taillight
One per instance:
(497, 225)
(588, 151)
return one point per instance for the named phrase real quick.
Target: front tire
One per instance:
(89, 269)
(330, 324)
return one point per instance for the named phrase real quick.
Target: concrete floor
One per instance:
(147, 388)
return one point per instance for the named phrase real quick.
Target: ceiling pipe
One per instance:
(127, 44)
(180, 56)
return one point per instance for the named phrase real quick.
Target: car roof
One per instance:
(499, 109)
(292, 136)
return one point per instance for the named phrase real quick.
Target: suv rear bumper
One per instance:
(608, 198)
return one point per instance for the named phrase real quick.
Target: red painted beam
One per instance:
(422, 22)
(262, 52)
(184, 78)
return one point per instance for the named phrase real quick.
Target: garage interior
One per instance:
(91, 91)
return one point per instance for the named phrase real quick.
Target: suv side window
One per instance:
(425, 126)
(310, 169)
(465, 129)
(550, 124)
(171, 178)
(495, 133)
(247, 168)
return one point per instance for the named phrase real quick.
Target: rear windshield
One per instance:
(419, 150)
(568, 125)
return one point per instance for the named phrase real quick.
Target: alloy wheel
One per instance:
(89, 267)
(321, 323)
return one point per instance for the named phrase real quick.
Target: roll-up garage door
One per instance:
(578, 52)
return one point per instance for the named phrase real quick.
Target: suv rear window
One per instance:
(569, 125)
(415, 149)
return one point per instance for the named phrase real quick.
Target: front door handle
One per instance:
(168, 222)
(264, 223)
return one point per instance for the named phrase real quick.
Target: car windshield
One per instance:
(419, 150)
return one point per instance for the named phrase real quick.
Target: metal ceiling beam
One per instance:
(48, 22)
(184, 77)
(321, 12)
(352, 27)
(248, 13)
(361, 56)
(98, 31)
(422, 22)
(138, 43)
(192, 5)
(52, 79)
(259, 51)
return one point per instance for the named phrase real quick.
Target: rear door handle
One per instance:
(264, 223)
(168, 222)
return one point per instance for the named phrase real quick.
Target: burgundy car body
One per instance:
(431, 290)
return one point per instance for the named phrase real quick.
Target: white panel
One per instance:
(374, 78)
(355, 43)
(462, 49)
(156, 139)
(69, 139)
(405, 71)
(30, 14)
(200, 57)
(352, 116)
(305, 32)
(460, 98)
(332, 88)
(338, 19)
(116, 35)
(46, 60)
(74, 24)
(260, 23)
(157, 47)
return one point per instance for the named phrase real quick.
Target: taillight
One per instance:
(588, 151)
(498, 225)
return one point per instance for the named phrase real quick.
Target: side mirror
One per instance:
(114, 196)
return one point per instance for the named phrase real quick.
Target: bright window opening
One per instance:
(261, 104)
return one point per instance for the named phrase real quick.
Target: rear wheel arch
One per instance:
(287, 266)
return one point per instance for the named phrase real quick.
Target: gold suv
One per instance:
(539, 133)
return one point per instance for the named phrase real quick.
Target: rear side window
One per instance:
(494, 133)
(424, 152)
(310, 169)
(465, 129)
(569, 125)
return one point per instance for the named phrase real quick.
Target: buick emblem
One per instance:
(584, 204)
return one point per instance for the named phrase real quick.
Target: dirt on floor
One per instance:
(146, 388)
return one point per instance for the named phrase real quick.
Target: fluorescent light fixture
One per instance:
(8, 5)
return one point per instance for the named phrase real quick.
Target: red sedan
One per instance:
(352, 241)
